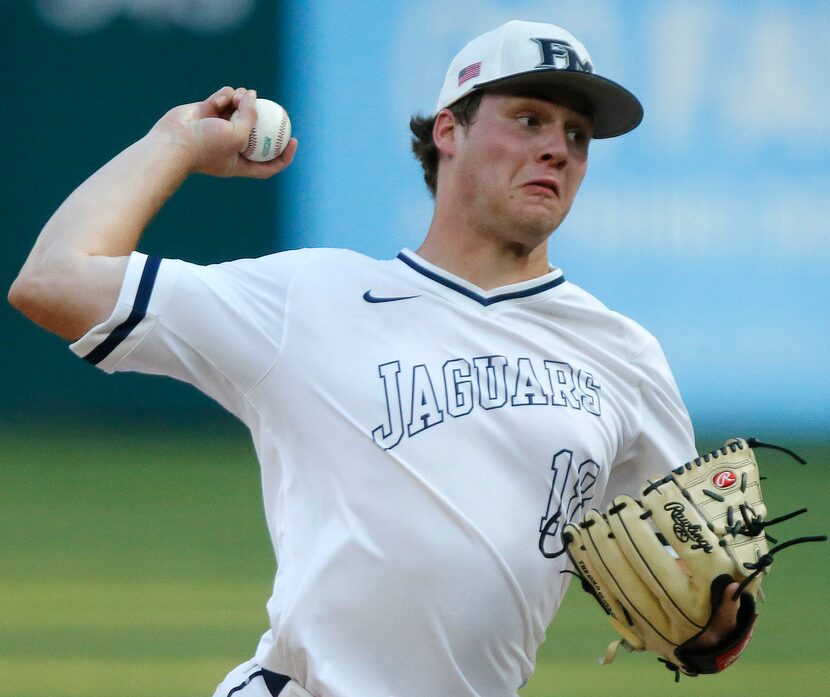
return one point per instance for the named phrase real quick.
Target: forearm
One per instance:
(71, 279)
(73, 275)
(106, 215)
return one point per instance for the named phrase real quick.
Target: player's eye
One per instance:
(577, 135)
(528, 120)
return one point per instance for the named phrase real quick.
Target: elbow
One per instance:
(65, 299)
(39, 298)
(19, 296)
(27, 297)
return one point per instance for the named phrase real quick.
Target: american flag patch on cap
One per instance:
(469, 72)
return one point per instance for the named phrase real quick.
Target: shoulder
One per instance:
(313, 258)
(277, 270)
(618, 332)
(288, 260)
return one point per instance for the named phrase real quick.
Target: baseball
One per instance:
(270, 134)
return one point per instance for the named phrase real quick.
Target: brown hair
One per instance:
(423, 146)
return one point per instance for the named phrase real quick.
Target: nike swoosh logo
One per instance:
(369, 298)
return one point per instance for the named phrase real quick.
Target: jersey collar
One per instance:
(514, 291)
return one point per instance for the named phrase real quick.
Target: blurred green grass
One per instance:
(137, 563)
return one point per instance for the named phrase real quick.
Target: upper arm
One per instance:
(216, 327)
(664, 437)
(70, 298)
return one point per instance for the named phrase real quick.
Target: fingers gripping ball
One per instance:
(270, 135)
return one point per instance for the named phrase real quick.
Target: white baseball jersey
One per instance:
(416, 434)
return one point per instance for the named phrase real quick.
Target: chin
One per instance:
(539, 226)
(529, 237)
(540, 213)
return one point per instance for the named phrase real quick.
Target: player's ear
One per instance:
(445, 131)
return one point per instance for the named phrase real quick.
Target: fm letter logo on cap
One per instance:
(562, 56)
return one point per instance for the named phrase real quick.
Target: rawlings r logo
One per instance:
(684, 530)
(725, 479)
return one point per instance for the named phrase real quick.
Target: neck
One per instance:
(488, 261)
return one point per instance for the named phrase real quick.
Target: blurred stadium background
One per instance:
(133, 556)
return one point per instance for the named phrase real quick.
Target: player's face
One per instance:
(519, 165)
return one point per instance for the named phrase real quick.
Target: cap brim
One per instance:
(616, 110)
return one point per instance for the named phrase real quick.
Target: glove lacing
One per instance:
(766, 559)
(751, 524)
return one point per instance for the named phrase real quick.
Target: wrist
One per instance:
(169, 146)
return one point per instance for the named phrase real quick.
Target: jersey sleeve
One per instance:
(664, 438)
(216, 327)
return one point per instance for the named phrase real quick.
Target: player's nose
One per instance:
(553, 147)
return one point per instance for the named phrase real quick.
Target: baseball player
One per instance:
(425, 425)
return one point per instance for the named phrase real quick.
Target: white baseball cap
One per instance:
(544, 58)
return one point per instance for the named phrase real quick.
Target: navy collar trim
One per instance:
(481, 299)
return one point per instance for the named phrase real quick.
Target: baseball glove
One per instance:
(710, 512)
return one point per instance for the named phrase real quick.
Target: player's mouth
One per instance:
(546, 187)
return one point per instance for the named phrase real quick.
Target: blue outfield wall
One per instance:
(708, 224)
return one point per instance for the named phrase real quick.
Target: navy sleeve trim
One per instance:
(139, 311)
